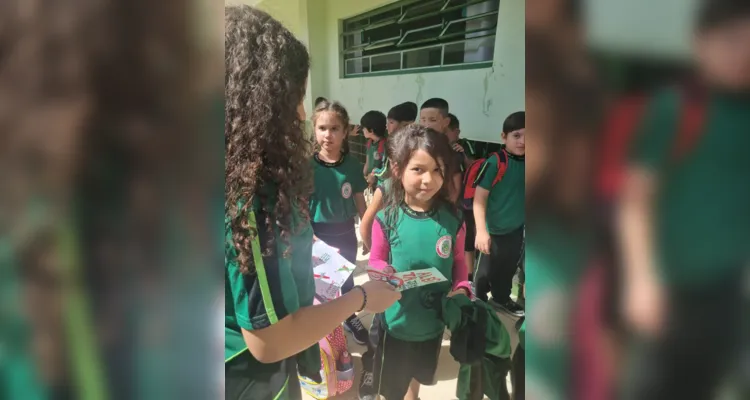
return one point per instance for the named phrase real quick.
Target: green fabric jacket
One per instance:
(488, 376)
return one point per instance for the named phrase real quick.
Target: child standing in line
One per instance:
(418, 228)
(499, 215)
(460, 145)
(465, 155)
(435, 115)
(399, 116)
(373, 125)
(338, 195)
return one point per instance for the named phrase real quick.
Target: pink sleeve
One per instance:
(460, 272)
(381, 248)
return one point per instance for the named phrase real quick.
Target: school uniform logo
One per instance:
(346, 190)
(444, 246)
(377, 156)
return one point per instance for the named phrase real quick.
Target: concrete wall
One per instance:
(481, 98)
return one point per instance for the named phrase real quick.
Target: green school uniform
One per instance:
(279, 287)
(382, 174)
(335, 187)
(506, 207)
(18, 372)
(702, 218)
(469, 148)
(420, 240)
(555, 261)
(375, 154)
(469, 151)
(487, 376)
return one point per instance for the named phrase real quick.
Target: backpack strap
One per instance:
(502, 166)
(691, 121)
(381, 145)
(619, 132)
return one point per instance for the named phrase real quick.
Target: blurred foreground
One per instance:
(110, 199)
(638, 200)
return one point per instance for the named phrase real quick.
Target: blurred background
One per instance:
(110, 199)
(637, 263)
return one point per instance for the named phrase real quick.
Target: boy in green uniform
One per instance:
(465, 155)
(462, 146)
(499, 214)
(398, 117)
(686, 220)
(373, 125)
(435, 115)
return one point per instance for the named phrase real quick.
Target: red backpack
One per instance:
(476, 172)
(381, 146)
(622, 126)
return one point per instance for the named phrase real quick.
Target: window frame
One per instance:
(401, 14)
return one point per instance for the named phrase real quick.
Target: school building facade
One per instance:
(374, 54)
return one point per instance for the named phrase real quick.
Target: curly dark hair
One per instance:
(401, 146)
(340, 111)
(266, 148)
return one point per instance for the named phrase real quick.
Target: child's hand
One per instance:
(371, 179)
(482, 242)
(354, 130)
(380, 296)
(457, 147)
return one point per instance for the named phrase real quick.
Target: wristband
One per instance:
(364, 297)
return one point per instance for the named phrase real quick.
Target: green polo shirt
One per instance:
(281, 285)
(375, 154)
(335, 187)
(506, 207)
(702, 218)
(420, 240)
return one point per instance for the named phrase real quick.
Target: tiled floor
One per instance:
(447, 373)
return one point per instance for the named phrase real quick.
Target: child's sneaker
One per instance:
(354, 326)
(509, 306)
(366, 387)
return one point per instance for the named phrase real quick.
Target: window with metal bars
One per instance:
(420, 35)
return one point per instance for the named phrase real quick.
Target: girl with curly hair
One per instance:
(269, 317)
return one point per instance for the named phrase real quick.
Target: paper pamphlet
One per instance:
(330, 270)
(410, 279)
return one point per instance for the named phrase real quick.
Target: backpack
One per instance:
(623, 124)
(337, 367)
(602, 281)
(381, 148)
(476, 172)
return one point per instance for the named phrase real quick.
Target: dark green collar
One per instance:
(418, 214)
(327, 164)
